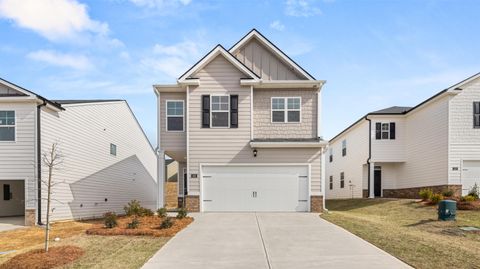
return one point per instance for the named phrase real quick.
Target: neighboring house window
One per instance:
(330, 157)
(220, 111)
(342, 180)
(286, 109)
(175, 116)
(6, 192)
(344, 147)
(385, 130)
(113, 149)
(331, 182)
(476, 114)
(7, 125)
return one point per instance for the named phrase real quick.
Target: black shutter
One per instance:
(6, 192)
(233, 111)
(392, 130)
(378, 130)
(205, 111)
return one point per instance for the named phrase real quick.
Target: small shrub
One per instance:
(146, 212)
(133, 208)
(166, 223)
(110, 220)
(467, 198)
(474, 191)
(134, 224)
(425, 194)
(182, 213)
(447, 192)
(436, 198)
(162, 212)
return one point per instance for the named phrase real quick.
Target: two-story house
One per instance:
(395, 152)
(106, 159)
(244, 125)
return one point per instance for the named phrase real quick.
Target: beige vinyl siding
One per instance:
(263, 62)
(4, 90)
(174, 143)
(263, 126)
(17, 159)
(389, 174)
(389, 150)
(352, 164)
(231, 145)
(89, 173)
(464, 139)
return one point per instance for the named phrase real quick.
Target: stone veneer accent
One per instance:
(412, 193)
(192, 203)
(316, 203)
(365, 193)
(30, 217)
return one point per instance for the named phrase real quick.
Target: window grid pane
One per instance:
(220, 103)
(7, 118)
(278, 116)
(293, 103)
(278, 103)
(174, 108)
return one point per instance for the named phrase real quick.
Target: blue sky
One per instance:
(373, 54)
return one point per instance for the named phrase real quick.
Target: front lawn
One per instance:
(410, 231)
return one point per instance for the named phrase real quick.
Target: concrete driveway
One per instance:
(268, 240)
(11, 223)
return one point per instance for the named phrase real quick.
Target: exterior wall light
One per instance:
(255, 153)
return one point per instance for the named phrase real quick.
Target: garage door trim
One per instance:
(308, 165)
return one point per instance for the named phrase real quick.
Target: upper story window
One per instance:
(385, 130)
(344, 147)
(476, 114)
(331, 182)
(113, 149)
(175, 115)
(330, 154)
(7, 125)
(220, 111)
(342, 180)
(286, 109)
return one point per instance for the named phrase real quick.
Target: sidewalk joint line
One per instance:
(263, 242)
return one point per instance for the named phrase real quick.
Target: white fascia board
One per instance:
(279, 84)
(454, 87)
(288, 144)
(274, 49)
(168, 88)
(189, 82)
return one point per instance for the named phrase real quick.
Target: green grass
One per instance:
(410, 231)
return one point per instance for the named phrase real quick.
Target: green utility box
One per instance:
(447, 210)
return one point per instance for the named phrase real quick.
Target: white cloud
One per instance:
(78, 62)
(160, 3)
(301, 8)
(277, 25)
(54, 19)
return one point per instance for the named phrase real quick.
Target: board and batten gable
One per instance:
(351, 164)
(174, 143)
(93, 181)
(264, 128)
(389, 150)
(231, 145)
(17, 159)
(464, 139)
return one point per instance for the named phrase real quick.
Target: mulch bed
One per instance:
(475, 205)
(149, 226)
(39, 259)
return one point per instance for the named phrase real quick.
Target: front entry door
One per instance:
(377, 179)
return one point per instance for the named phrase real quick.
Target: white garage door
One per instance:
(470, 175)
(255, 188)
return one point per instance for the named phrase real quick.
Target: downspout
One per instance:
(39, 164)
(369, 151)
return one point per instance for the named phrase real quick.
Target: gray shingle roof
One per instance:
(393, 110)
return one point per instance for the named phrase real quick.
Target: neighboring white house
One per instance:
(244, 125)
(397, 151)
(107, 159)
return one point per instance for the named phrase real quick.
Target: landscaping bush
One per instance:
(166, 223)
(467, 198)
(475, 191)
(447, 192)
(182, 213)
(134, 224)
(110, 220)
(162, 212)
(146, 212)
(436, 198)
(425, 194)
(133, 208)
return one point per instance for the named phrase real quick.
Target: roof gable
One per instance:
(291, 64)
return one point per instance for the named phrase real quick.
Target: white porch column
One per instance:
(372, 180)
(161, 178)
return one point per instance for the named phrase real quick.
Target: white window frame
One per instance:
(115, 146)
(385, 131)
(286, 110)
(342, 180)
(344, 147)
(14, 126)
(174, 116)
(211, 111)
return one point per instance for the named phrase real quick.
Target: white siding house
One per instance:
(106, 158)
(435, 144)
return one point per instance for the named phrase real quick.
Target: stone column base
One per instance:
(192, 203)
(316, 203)
(412, 193)
(30, 217)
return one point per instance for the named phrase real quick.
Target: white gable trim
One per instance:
(273, 48)
(461, 83)
(17, 88)
(218, 50)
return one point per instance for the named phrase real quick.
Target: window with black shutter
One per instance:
(378, 130)
(205, 111)
(342, 180)
(330, 150)
(476, 114)
(385, 131)
(233, 111)
(344, 147)
(331, 182)
(392, 130)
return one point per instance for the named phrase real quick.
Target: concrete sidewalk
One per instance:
(11, 223)
(268, 240)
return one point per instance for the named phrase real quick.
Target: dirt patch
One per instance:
(475, 205)
(39, 259)
(149, 226)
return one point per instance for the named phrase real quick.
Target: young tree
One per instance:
(51, 159)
